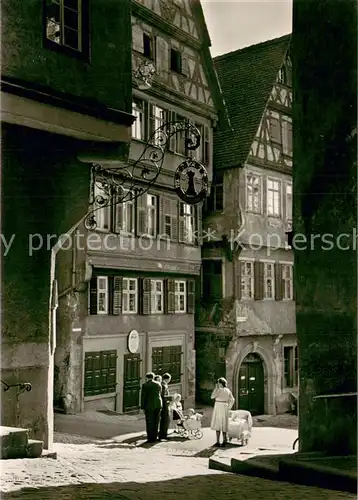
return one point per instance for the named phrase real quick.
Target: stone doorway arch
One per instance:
(268, 375)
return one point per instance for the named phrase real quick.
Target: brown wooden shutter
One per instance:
(110, 294)
(278, 282)
(181, 222)
(117, 294)
(93, 296)
(170, 296)
(137, 39)
(199, 224)
(238, 279)
(289, 137)
(258, 280)
(172, 141)
(146, 296)
(174, 219)
(164, 211)
(141, 215)
(151, 123)
(185, 65)
(190, 292)
(275, 129)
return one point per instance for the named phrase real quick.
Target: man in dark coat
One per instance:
(165, 415)
(151, 403)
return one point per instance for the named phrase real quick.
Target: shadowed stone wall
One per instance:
(325, 197)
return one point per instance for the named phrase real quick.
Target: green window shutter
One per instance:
(172, 141)
(117, 295)
(174, 219)
(151, 124)
(141, 215)
(190, 289)
(278, 282)
(93, 295)
(258, 280)
(181, 222)
(170, 292)
(146, 296)
(199, 224)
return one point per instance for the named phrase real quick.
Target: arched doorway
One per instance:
(251, 394)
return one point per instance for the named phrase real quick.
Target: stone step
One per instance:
(336, 473)
(34, 449)
(220, 463)
(265, 467)
(13, 442)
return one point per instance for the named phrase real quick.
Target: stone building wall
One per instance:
(44, 192)
(325, 203)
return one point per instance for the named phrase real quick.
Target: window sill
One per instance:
(67, 51)
(101, 314)
(129, 312)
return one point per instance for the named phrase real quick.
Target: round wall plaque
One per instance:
(133, 342)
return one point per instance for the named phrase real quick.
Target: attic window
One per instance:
(175, 61)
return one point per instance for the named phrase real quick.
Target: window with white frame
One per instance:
(253, 192)
(102, 295)
(289, 202)
(126, 214)
(130, 296)
(103, 214)
(187, 223)
(287, 277)
(156, 296)
(138, 124)
(273, 197)
(66, 24)
(247, 279)
(180, 296)
(269, 280)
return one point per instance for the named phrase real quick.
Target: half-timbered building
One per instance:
(246, 314)
(142, 290)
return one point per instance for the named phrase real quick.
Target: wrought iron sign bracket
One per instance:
(112, 186)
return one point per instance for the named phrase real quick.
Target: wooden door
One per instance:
(251, 386)
(131, 382)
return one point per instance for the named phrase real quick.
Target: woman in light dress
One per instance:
(224, 401)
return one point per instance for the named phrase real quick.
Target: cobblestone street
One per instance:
(87, 468)
(114, 471)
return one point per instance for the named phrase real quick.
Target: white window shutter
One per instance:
(137, 39)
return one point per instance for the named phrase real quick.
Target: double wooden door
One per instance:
(251, 386)
(131, 382)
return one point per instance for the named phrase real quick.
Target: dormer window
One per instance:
(175, 61)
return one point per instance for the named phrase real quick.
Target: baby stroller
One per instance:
(190, 426)
(240, 426)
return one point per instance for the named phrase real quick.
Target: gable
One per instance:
(247, 78)
(197, 80)
(176, 12)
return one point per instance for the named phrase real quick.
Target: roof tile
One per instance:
(246, 78)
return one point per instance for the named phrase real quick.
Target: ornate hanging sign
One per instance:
(189, 175)
(112, 186)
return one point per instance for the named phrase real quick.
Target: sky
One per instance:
(234, 24)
